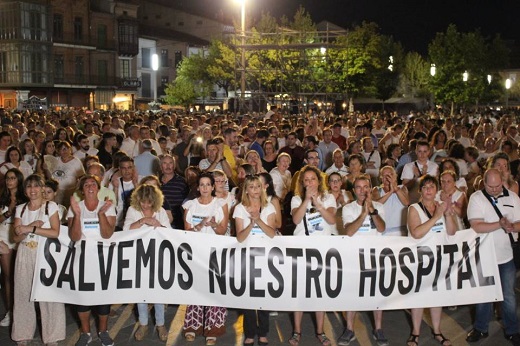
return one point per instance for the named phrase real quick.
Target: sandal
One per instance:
(190, 336)
(322, 338)
(413, 340)
(162, 332)
(250, 342)
(263, 343)
(443, 340)
(295, 339)
(211, 340)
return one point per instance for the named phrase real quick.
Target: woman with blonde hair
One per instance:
(146, 210)
(314, 214)
(253, 158)
(395, 200)
(254, 215)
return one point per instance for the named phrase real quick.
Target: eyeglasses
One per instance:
(221, 181)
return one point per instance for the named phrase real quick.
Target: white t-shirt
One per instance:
(67, 173)
(241, 213)
(133, 215)
(90, 219)
(46, 210)
(196, 212)
(281, 182)
(479, 208)
(25, 168)
(352, 211)
(440, 225)
(316, 224)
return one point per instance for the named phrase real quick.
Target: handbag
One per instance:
(515, 246)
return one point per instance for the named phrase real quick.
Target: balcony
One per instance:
(87, 42)
(86, 80)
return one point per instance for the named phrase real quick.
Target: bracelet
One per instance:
(34, 230)
(6, 215)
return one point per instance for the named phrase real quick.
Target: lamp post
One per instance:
(155, 67)
(508, 86)
(433, 71)
(243, 54)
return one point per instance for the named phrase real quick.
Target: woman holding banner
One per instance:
(91, 218)
(255, 216)
(314, 214)
(146, 210)
(425, 219)
(205, 214)
(33, 222)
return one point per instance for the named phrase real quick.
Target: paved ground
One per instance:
(396, 325)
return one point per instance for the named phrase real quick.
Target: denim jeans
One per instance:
(142, 309)
(484, 312)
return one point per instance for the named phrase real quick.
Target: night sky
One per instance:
(413, 23)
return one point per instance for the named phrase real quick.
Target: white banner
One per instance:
(284, 273)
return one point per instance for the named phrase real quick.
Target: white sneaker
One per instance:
(6, 321)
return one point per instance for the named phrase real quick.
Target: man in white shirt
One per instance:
(131, 145)
(484, 219)
(84, 148)
(147, 163)
(338, 165)
(363, 217)
(414, 170)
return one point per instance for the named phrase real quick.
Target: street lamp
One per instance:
(243, 53)
(465, 76)
(433, 70)
(508, 86)
(155, 67)
(489, 78)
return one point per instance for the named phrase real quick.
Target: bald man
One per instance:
(484, 219)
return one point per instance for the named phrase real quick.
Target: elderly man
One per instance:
(496, 210)
(174, 188)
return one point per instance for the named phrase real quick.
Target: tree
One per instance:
(415, 76)
(455, 53)
(180, 92)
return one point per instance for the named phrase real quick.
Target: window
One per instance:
(102, 35)
(157, 16)
(58, 69)
(125, 68)
(57, 26)
(146, 58)
(178, 58)
(128, 39)
(35, 25)
(180, 24)
(199, 22)
(3, 67)
(164, 80)
(78, 28)
(102, 71)
(164, 57)
(146, 85)
(78, 69)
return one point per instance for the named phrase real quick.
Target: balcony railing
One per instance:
(100, 80)
(85, 41)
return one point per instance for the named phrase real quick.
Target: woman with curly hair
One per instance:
(146, 210)
(314, 214)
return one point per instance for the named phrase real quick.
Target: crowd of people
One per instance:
(270, 174)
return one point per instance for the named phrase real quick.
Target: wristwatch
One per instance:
(375, 212)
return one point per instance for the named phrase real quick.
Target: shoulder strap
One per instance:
(305, 223)
(23, 209)
(425, 210)
(484, 192)
(47, 208)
